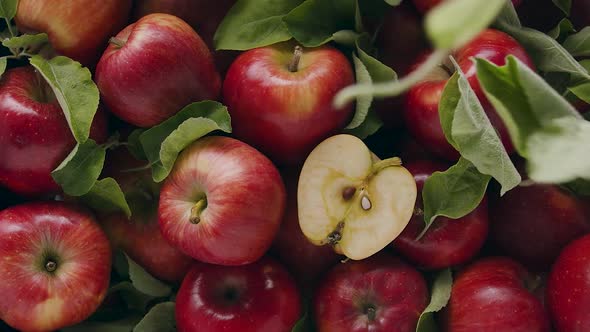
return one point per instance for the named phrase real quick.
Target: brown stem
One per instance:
(197, 209)
(117, 42)
(50, 266)
(294, 64)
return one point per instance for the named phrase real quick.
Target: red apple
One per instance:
(55, 266)
(380, 293)
(425, 5)
(222, 203)
(422, 100)
(533, 223)
(568, 288)
(257, 297)
(155, 67)
(447, 242)
(491, 295)
(34, 133)
(78, 29)
(280, 101)
(580, 13)
(140, 237)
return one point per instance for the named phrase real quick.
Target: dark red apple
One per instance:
(422, 100)
(222, 203)
(280, 101)
(34, 133)
(155, 67)
(568, 288)
(377, 294)
(55, 266)
(533, 223)
(448, 242)
(491, 295)
(580, 13)
(425, 5)
(78, 29)
(257, 297)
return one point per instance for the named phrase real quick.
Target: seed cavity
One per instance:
(366, 203)
(336, 235)
(348, 193)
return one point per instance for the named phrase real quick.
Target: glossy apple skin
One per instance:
(396, 291)
(140, 237)
(491, 295)
(257, 297)
(78, 29)
(245, 201)
(286, 114)
(34, 299)
(447, 242)
(34, 134)
(163, 66)
(533, 223)
(422, 100)
(425, 5)
(568, 288)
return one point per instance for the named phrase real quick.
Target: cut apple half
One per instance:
(350, 199)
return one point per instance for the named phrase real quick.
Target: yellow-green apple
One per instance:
(34, 133)
(140, 237)
(280, 98)
(422, 100)
(351, 200)
(378, 294)
(222, 203)
(256, 297)
(448, 242)
(55, 265)
(155, 67)
(78, 29)
(492, 295)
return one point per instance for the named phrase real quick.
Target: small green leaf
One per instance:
(160, 318)
(106, 196)
(582, 91)
(254, 23)
(81, 168)
(562, 30)
(441, 293)
(145, 283)
(123, 325)
(8, 9)
(379, 72)
(454, 23)
(74, 89)
(314, 22)
(371, 124)
(303, 324)
(579, 44)
(27, 42)
(363, 103)
(564, 5)
(134, 144)
(3, 64)
(393, 2)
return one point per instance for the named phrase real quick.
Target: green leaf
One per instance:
(579, 44)
(145, 283)
(81, 168)
(582, 91)
(441, 293)
(3, 64)
(164, 142)
(454, 23)
(379, 72)
(314, 22)
(469, 130)
(160, 318)
(579, 187)
(134, 299)
(26, 41)
(562, 30)
(106, 196)
(564, 5)
(371, 124)
(393, 2)
(74, 89)
(363, 103)
(453, 193)
(304, 324)
(8, 9)
(123, 325)
(254, 23)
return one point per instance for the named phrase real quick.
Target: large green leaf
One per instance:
(26, 42)
(579, 44)
(160, 318)
(440, 295)
(8, 9)
(81, 168)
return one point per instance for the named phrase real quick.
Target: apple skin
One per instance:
(425, 5)
(568, 287)
(243, 196)
(392, 290)
(286, 114)
(491, 295)
(143, 84)
(533, 223)
(78, 29)
(257, 297)
(34, 134)
(422, 100)
(34, 299)
(580, 13)
(447, 242)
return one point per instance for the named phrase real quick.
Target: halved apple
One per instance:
(351, 200)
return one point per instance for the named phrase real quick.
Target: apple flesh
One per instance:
(222, 203)
(55, 266)
(78, 29)
(257, 297)
(280, 100)
(377, 294)
(34, 133)
(142, 83)
(351, 200)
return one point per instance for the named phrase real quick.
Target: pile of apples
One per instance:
(287, 223)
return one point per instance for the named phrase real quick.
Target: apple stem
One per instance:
(294, 64)
(391, 162)
(117, 42)
(50, 266)
(371, 313)
(197, 209)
